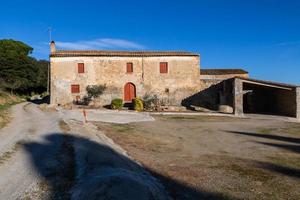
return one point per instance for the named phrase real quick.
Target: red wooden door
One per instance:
(129, 92)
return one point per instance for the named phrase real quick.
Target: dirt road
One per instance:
(17, 171)
(50, 155)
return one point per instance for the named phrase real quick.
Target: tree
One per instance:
(19, 72)
(95, 91)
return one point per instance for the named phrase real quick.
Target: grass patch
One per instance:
(265, 130)
(286, 160)
(64, 126)
(8, 154)
(290, 129)
(251, 172)
(6, 101)
(122, 128)
(182, 117)
(198, 118)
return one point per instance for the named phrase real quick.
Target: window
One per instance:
(80, 68)
(129, 67)
(75, 89)
(163, 67)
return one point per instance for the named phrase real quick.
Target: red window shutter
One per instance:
(75, 89)
(80, 68)
(163, 67)
(129, 68)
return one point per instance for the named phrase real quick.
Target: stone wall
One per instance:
(212, 94)
(182, 79)
(238, 97)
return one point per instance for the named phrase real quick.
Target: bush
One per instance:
(94, 91)
(85, 101)
(116, 104)
(138, 104)
(151, 102)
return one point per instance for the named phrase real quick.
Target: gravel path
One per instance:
(54, 155)
(111, 116)
(18, 174)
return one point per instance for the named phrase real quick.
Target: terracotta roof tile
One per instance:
(72, 53)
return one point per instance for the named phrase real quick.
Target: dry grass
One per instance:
(169, 148)
(64, 126)
(8, 154)
(4, 117)
(288, 128)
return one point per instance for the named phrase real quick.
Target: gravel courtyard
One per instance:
(216, 157)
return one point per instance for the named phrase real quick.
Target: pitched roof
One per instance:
(72, 53)
(222, 71)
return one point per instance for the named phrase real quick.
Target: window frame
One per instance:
(163, 67)
(75, 91)
(129, 65)
(80, 68)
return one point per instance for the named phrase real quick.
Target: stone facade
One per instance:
(182, 79)
(238, 97)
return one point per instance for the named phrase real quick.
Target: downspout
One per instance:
(143, 69)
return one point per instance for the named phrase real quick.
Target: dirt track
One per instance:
(46, 155)
(17, 171)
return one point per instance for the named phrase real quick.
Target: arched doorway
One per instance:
(129, 92)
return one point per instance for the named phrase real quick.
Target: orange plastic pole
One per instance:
(84, 115)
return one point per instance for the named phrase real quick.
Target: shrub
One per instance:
(94, 91)
(151, 102)
(138, 104)
(116, 104)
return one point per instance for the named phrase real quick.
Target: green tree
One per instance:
(19, 72)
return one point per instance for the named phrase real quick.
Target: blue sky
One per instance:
(261, 36)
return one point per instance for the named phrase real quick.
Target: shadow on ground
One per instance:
(43, 100)
(291, 144)
(99, 172)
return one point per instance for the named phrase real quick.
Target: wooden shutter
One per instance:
(163, 67)
(75, 89)
(80, 68)
(129, 68)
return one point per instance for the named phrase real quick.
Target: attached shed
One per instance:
(265, 97)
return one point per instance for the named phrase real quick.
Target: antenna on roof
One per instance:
(48, 74)
(50, 34)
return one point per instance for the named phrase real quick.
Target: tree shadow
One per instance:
(85, 169)
(287, 171)
(289, 147)
(268, 136)
(295, 148)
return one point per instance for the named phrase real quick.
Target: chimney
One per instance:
(52, 47)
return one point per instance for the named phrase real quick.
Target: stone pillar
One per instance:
(238, 97)
(298, 103)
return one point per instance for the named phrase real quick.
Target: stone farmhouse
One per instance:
(175, 77)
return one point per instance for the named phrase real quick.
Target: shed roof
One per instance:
(76, 53)
(253, 81)
(222, 71)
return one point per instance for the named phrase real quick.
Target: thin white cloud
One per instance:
(103, 43)
(288, 43)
